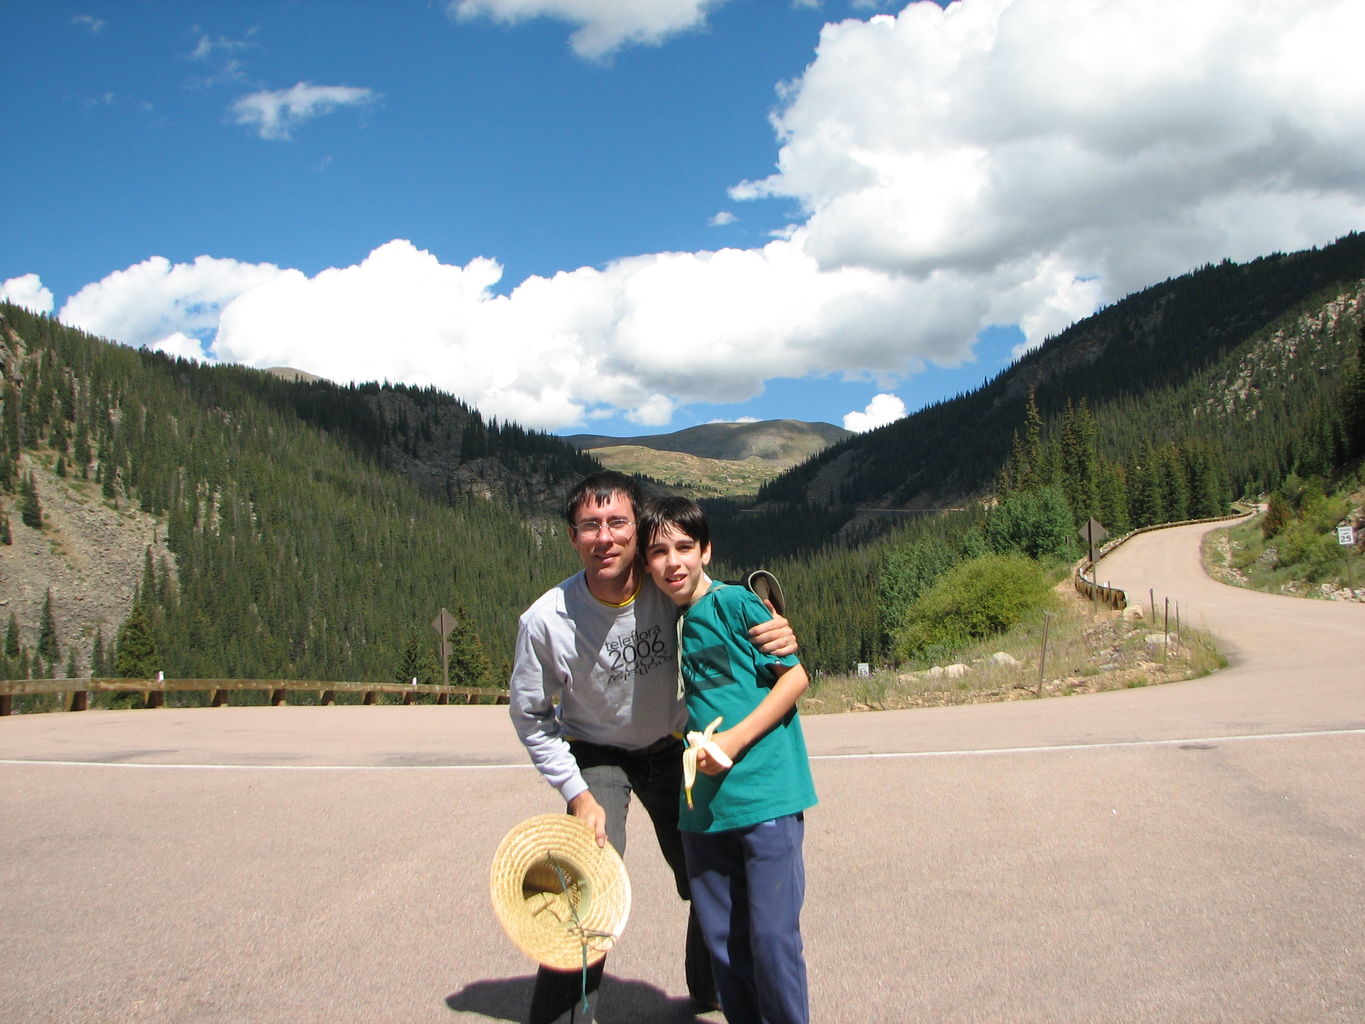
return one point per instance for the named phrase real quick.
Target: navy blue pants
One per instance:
(748, 885)
(654, 776)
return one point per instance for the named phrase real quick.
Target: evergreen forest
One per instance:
(314, 530)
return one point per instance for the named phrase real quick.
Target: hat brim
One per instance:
(765, 585)
(558, 894)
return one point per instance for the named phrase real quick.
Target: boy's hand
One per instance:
(702, 745)
(708, 763)
(775, 636)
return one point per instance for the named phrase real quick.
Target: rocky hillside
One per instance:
(89, 555)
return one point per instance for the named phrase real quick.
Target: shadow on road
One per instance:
(621, 1002)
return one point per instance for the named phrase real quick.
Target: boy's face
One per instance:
(676, 563)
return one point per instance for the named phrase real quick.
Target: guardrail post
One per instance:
(80, 700)
(279, 697)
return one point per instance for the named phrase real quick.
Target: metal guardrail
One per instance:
(153, 691)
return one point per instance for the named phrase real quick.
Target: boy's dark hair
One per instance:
(683, 513)
(598, 489)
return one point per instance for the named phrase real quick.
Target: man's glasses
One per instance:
(618, 527)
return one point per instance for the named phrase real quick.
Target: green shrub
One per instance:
(974, 600)
(907, 573)
(1036, 522)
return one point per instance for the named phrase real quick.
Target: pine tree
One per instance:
(12, 638)
(1034, 465)
(469, 662)
(1079, 462)
(97, 655)
(1353, 401)
(30, 511)
(5, 536)
(1175, 486)
(135, 655)
(418, 662)
(1146, 496)
(47, 631)
(1112, 491)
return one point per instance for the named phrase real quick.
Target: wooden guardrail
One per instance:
(153, 691)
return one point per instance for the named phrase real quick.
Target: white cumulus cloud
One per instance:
(883, 409)
(996, 162)
(275, 114)
(28, 291)
(602, 25)
(641, 335)
(151, 301)
(1111, 142)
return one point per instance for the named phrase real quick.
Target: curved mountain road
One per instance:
(1189, 852)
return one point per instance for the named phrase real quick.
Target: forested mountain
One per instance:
(299, 529)
(1234, 364)
(313, 529)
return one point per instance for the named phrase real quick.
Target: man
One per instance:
(596, 700)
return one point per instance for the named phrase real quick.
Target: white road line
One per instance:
(1095, 746)
(866, 756)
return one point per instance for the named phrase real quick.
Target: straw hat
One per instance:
(556, 893)
(765, 585)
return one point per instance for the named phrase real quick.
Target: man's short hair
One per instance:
(682, 513)
(598, 489)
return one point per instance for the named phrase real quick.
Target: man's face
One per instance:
(604, 537)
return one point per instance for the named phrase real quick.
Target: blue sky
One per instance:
(631, 217)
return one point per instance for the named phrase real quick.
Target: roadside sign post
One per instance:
(1093, 532)
(1346, 537)
(443, 624)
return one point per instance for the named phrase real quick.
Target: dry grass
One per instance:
(1086, 652)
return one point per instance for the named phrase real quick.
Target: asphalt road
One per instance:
(1191, 852)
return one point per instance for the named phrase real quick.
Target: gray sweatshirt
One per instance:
(591, 671)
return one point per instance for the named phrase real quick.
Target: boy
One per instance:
(742, 835)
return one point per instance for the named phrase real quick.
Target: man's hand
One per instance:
(585, 806)
(774, 636)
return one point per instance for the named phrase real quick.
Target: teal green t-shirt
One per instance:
(726, 676)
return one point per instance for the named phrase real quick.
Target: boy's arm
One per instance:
(777, 704)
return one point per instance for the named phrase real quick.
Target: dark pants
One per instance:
(748, 885)
(654, 775)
